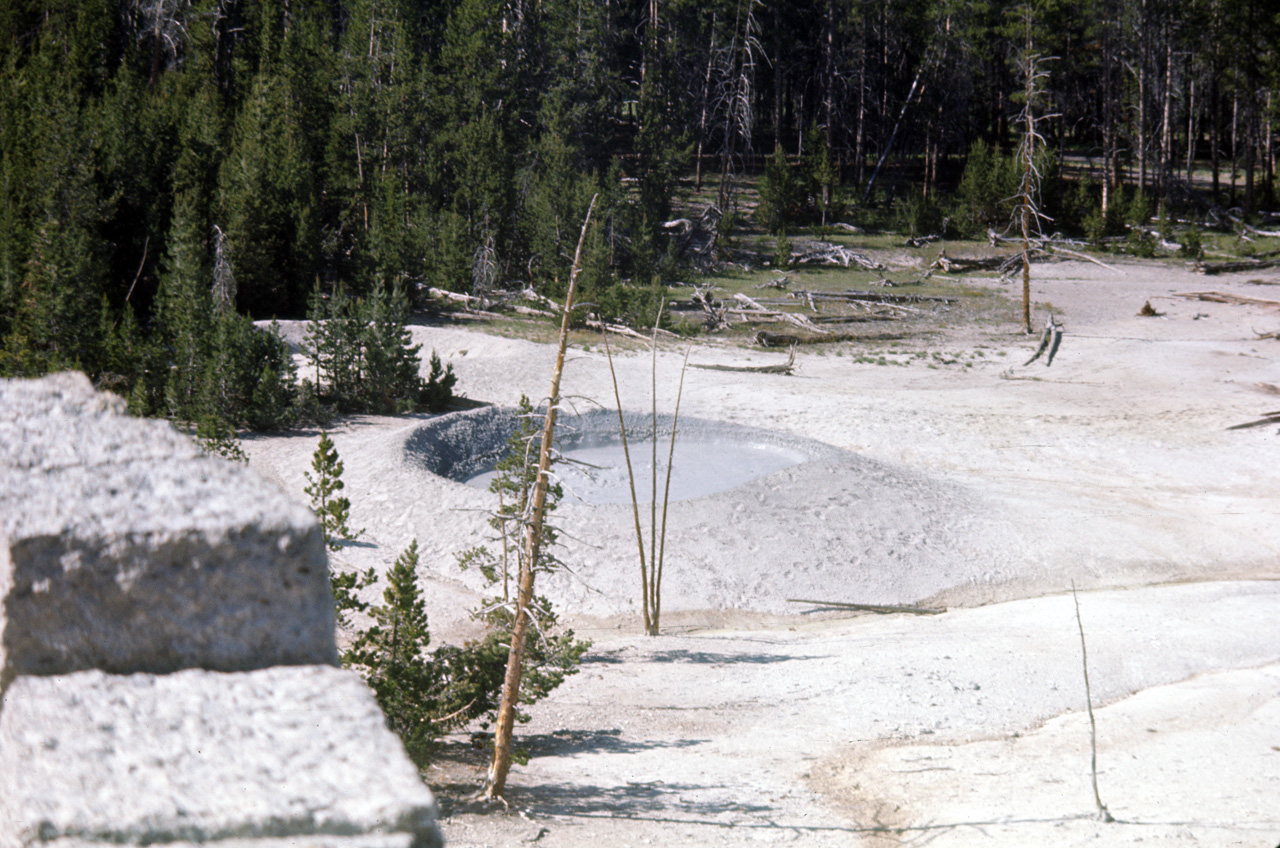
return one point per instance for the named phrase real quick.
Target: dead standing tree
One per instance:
(737, 96)
(496, 780)
(1027, 212)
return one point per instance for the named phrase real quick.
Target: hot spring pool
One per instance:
(710, 456)
(596, 473)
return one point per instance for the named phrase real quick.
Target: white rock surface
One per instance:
(296, 754)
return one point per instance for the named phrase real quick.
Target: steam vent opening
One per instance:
(709, 457)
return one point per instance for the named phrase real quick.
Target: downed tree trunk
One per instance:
(918, 281)
(467, 299)
(882, 609)
(874, 297)
(1002, 264)
(757, 309)
(766, 339)
(1223, 297)
(755, 369)
(1211, 268)
(851, 319)
(826, 253)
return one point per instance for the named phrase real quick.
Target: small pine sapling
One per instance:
(437, 391)
(332, 510)
(392, 656)
(218, 438)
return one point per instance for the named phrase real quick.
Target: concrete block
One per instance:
(125, 549)
(290, 757)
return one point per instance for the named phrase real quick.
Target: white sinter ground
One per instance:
(960, 479)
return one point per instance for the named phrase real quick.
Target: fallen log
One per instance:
(1223, 297)
(766, 339)
(882, 609)
(617, 329)
(456, 297)
(826, 253)
(851, 319)
(919, 281)
(874, 297)
(757, 309)
(1211, 268)
(1002, 264)
(786, 368)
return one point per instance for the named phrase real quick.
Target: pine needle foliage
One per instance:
(333, 510)
(551, 655)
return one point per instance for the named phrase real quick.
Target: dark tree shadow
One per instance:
(680, 655)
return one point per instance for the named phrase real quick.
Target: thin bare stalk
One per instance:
(506, 552)
(1103, 813)
(631, 481)
(496, 780)
(653, 474)
(666, 496)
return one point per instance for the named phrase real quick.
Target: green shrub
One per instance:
(782, 251)
(437, 391)
(1190, 245)
(987, 188)
(779, 197)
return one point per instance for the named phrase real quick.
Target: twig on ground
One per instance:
(1103, 813)
(882, 609)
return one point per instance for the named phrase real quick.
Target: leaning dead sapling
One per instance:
(496, 780)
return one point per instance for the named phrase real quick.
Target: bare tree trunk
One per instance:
(1250, 154)
(706, 96)
(1215, 128)
(859, 144)
(1191, 124)
(1166, 130)
(364, 199)
(1142, 120)
(1269, 154)
(828, 73)
(1235, 131)
(496, 780)
(1027, 200)
(740, 119)
(778, 78)
(1108, 118)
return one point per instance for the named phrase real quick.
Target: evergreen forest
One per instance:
(171, 170)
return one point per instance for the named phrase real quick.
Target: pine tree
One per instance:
(332, 510)
(390, 368)
(392, 655)
(266, 201)
(183, 311)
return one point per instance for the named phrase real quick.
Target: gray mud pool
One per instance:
(595, 472)
(709, 457)
(763, 516)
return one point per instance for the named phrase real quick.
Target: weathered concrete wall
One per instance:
(134, 573)
(122, 548)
